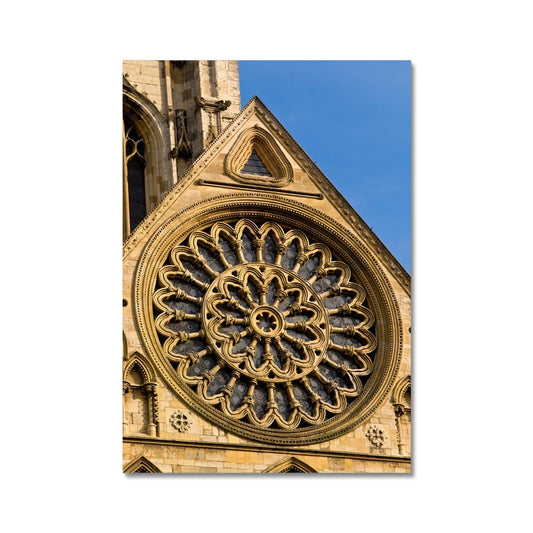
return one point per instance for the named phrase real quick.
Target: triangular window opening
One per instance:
(255, 167)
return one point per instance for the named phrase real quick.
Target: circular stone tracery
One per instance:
(265, 322)
(263, 326)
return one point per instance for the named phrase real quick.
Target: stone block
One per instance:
(336, 464)
(215, 455)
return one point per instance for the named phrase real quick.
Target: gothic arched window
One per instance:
(134, 166)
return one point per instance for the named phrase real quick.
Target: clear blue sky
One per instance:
(353, 118)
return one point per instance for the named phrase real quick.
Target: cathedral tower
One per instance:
(172, 111)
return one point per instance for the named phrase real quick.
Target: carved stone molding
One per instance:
(135, 360)
(211, 106)
(180, 420)
(183, 146)
(124, 347)
(314, 451)
(139, 375)
(399, 409)
(291, 465)
(258, 140)
(275, 333)
(401, 403)
(376, 436)
(399, 391)
(262, 188)
(141, 465)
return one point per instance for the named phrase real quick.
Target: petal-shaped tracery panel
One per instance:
(263, 325)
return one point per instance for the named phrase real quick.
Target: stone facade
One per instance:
(195, 146)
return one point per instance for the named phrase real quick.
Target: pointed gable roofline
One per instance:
(256, 106)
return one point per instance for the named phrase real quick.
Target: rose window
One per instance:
(264, 326)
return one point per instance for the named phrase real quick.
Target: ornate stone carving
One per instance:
(211, 106)
(263, 144)
(180, 421)
(376, 436)
(183, 146)
(267, 333)
(139, 375)
(401, 404)
(291, 465)
(399, 410)
(368, 274)
(141, 465)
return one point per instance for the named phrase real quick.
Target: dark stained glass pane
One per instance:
(260, 401)
(290, 256)
(253, 291)
(136, 163)
(229, 254)
(211, 259)
(335, 375)
(258, 355)
(189, 289)
(271, 293)
(308, 269)
(186, 307)
(195, 345)
(255, 167)
(344, 340)
(275, 355)
(269, 250)
(341, 359)
(187, 326)
(198, 273)
(242, 345)
(248, 249)
(302, 398)
(332, 302)
(287, 302)
(137, 197)
(233, 292)
(324, 284)
(319, 389)
(303, 317)
(283, 403)
(340, 321)
(237, 395)
(220, 379)
(205, 363)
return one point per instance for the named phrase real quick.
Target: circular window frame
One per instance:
(343, 243)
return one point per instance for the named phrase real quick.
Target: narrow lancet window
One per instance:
(135, 164)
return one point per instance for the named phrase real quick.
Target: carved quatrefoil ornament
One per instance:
(264, 332)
